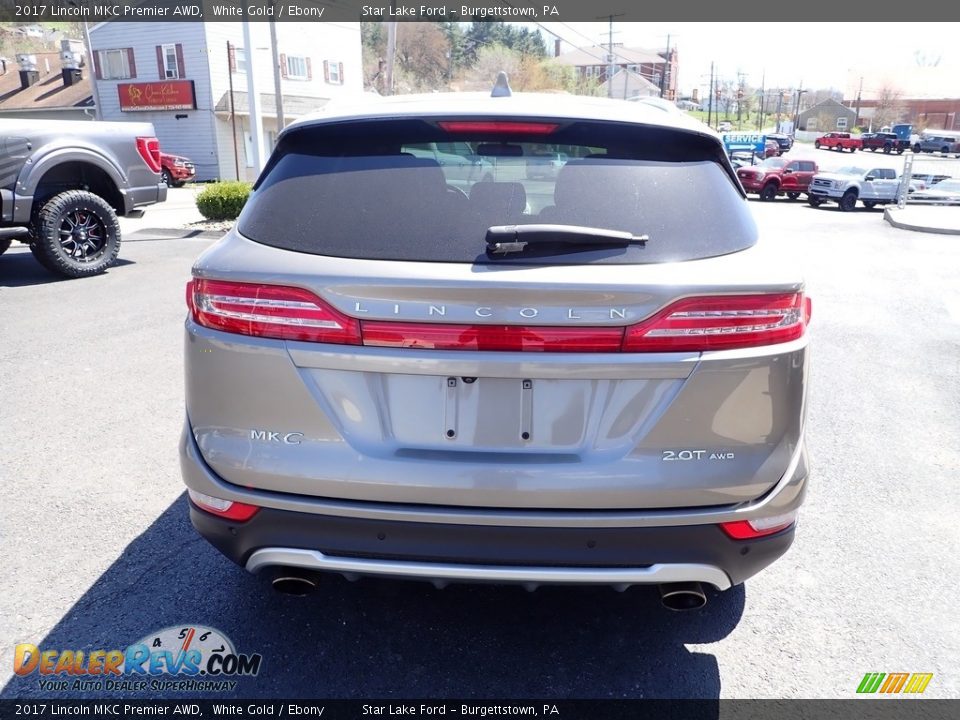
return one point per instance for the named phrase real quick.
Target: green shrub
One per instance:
(223, 200)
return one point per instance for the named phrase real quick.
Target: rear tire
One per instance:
(793, 195)
(768, 192)
(848, 202)
(76, 234)
(5, 245)
(814, 201)
(887, 149)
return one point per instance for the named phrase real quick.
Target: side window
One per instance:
(793, 167)
(808, 167)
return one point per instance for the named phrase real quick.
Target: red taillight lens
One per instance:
(241, 512)
(760, 527)
(492, 337)
(149, 149)
(498, 127)
(721, 323)
(273, 311)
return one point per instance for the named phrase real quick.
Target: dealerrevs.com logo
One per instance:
(184, 658)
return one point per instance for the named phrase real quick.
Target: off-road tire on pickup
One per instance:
(848, 202)
(5, 245)
(793, 195)
(768, 192)
(814, 201)
(76, 234)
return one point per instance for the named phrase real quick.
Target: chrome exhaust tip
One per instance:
(682, 596)
(291, 581)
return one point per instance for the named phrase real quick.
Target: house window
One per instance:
(171, 70)
(841, 123)
(333, 72)
(115, 64)
(297, 68)
(239, 59)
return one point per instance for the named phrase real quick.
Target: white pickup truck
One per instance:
(877, 186)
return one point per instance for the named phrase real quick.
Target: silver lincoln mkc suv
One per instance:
(398, 367)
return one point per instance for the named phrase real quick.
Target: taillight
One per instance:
(492, 337)
(759, 527)
(149, 149)
(272, 311)
(241, 512)
(721, 323)
(498, 127)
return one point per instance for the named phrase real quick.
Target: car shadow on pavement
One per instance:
(19, 269)
(383, 639)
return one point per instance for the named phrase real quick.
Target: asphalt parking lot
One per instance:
(98, 551)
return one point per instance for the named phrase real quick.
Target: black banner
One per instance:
(867, 709)
(743, 11)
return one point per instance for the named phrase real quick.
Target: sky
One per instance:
(818, 55)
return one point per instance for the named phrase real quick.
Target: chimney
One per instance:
(556, 47)
(71, 59)
(28, 70)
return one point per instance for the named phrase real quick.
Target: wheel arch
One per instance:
(75, 169)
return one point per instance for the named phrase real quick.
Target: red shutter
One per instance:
(232, 55)
(283, 65)
(326, 71)
(132, 62)
(309, 70)
(341, 72)
(160, 68)
(181, 68)
(96, 65)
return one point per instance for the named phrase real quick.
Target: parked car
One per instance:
(461, 166)
(778, 176)
(838, 141)
(545, 165)
(176, 170)
(876, 186)
(946, 192)
(927, 180)
(944, 144)
(888, 142)
(517, 386)
(744, 158)
(784, 142)
(771, 148)
(724, 126)
(64, 182)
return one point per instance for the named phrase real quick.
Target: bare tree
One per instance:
(889, 106)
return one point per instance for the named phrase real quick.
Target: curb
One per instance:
(173, 234)
(888, 216)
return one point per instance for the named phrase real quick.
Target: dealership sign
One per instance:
(165, 95)
(744, 141)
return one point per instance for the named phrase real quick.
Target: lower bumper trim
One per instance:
(651, 575)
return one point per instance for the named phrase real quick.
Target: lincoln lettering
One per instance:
(487, 311)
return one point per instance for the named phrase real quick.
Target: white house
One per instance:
(178, 76)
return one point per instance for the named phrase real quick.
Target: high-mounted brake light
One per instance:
(721, 323)
(273, 311)
(149, 149)
(498, 127)
(515, 338)
(241, 512)
(759, 527)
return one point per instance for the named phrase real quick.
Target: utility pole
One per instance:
(710, 99)
(231, 52)
(610, 53)
(666, 68)
(763, 100)
(253, 99)
(391, 54)
(859, 91)
(779, 107)
(796, 115)
(277, 89)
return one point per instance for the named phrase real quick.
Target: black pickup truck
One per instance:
(886, 141)
(63, 184)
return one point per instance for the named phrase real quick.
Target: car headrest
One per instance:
(509, 198)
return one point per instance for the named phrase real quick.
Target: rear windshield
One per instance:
(409, 190)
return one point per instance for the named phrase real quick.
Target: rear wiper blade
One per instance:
(503, 239)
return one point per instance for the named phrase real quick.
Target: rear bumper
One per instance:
(146, 195)
(445, 544)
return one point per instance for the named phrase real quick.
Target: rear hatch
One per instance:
(372, 331)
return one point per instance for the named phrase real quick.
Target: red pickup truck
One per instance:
(838, 141)
(778, 176)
